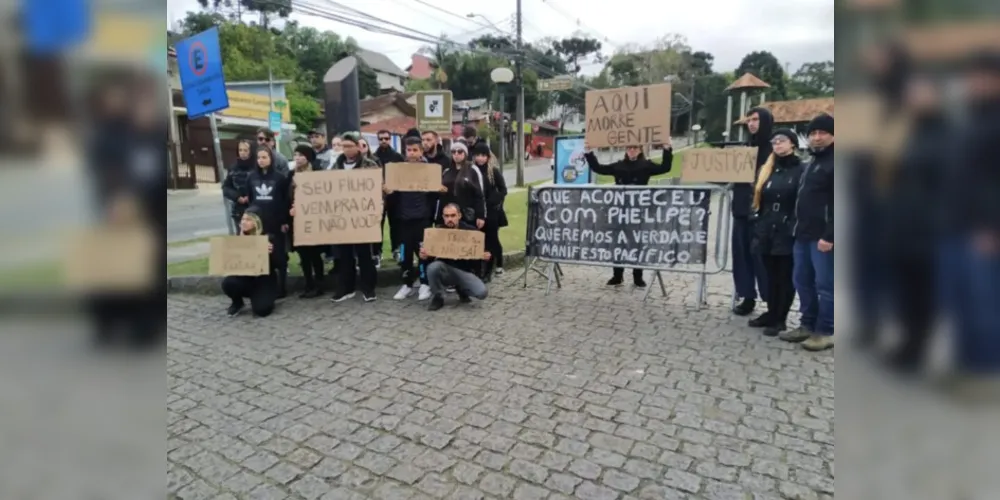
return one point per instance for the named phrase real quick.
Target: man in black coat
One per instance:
(748, 269)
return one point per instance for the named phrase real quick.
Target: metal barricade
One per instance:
(721, 198)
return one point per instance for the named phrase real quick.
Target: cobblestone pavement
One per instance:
(585, 393)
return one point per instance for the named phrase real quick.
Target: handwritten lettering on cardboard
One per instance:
(719, 165)
(628, 116)
(238, 256)
(411, 176)
(337, 207)
(458, 244)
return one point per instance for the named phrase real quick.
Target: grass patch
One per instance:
(186, 243)
(43, 275)
(511, 237)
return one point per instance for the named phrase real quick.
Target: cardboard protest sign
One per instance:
(337, 207)
(109, 259)
(412, 176)
(238, 256)
(628, 116)
(725, 165)
(458, 244)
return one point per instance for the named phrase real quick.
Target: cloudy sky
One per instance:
(795, 32)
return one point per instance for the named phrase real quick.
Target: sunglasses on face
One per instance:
(383, 139)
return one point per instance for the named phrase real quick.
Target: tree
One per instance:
(813, 79)
(765, 66)
(266, 10)
(574, 49)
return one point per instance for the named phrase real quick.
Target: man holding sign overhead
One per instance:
(632, 170)
(456, 269)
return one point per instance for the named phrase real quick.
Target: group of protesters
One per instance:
(783, 233)
(260, 187)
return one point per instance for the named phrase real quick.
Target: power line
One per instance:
(552, 5)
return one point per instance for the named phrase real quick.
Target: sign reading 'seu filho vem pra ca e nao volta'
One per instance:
(199, 62)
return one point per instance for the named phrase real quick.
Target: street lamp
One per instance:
(502, 76)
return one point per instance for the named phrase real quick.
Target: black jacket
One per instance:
(977, 175)
(388, 155)
(269, 191)
(743, 192)
(910, 220)
(774, 221)
(632, 172)
(495, 192)
(406, 206)
(470, 266)
(236, 181)
(361, 161)
(440, 157)
(464, 189)
(814, 207)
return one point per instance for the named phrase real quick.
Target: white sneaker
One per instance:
(425, 292)
(498, 271)
(403, 293)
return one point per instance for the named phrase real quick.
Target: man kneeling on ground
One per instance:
(443, 273)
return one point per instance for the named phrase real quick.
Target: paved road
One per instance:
(196, 215)
(586, 393)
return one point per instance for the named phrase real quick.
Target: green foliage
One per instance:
(813, 79)
(765, 66)
(305, 111)
(418, 85)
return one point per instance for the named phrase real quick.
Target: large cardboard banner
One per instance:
(628, 116)
(110, 259)
(457, 244)
(413, 177)
(338, 207)
(238, 256)
(723, 165)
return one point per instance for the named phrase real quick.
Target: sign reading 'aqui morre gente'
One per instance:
(628, 116)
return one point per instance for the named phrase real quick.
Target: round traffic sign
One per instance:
(198, 58)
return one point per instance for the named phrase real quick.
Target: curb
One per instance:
(386, 278)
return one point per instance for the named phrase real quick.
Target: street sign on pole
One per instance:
(434, 111)
(274, 123)
(200, 69)
(558, 83)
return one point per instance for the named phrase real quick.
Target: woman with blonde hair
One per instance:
(773, 215)
(261, 290)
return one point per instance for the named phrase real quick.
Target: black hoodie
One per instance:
(743, 192)
(236, 181)
(269, 191)
(412, 206)
(632, 172)
(439, 157)
(387, 155)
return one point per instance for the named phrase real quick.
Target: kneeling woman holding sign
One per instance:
(632, 170)
(261, 290)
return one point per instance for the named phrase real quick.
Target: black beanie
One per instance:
(412, 133)
(823, 123)
(480, 148)
(306, 151)
(788, 133)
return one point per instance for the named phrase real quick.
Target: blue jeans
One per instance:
(813, 277)
(748, 267)
(974, 282)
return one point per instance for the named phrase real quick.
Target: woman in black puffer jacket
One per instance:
(495, 191)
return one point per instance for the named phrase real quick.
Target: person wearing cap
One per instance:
(465, 188)
(323, 154)
(495, 191)
(773, 216)
(310, 257)
(632, 170)
(813, 251)
(352, 260)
